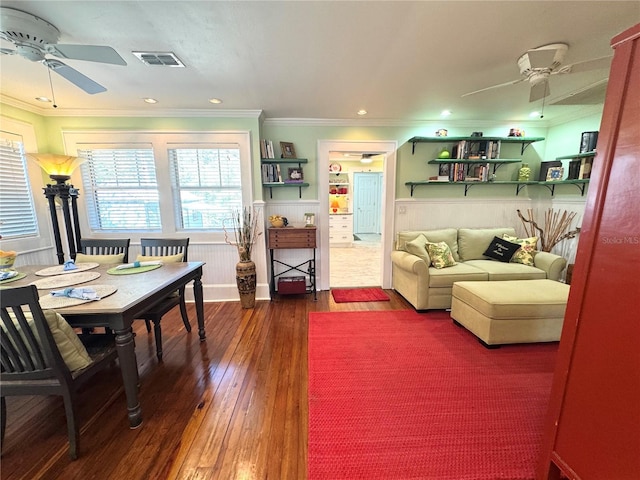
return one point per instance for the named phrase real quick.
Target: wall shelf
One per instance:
(284, 161)
(524, 141)
(580, 184)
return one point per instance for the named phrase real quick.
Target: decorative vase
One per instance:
(246, 281)
(524, 173)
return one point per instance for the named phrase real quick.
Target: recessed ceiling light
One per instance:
(362, 112)
(43, 99)
(445, 113)
(534, 114)
(215, 100)
(150, 100)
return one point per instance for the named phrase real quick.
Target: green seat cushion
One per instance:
(165, 259)
(101, 259)
(71, 348)
(445, 277)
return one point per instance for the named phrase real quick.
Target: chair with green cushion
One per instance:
(42, 355)
(167, 250)
(104, 251)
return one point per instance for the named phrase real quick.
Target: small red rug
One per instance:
(403, 395)
(346, 295)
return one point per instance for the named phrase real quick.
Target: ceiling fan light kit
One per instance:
(35, 38)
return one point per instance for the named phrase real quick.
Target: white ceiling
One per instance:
(401, 61)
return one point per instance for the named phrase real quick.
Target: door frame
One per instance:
(388, 149)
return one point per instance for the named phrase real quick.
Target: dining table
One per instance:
(134, 292)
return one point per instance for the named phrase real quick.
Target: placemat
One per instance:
(59, 269)
(129, 271)
(13, 279)
(58, 281)
(48, 301)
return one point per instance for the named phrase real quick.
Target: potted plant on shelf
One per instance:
(245, 233)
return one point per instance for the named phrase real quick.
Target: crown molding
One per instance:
(586, 111)
(79, 112)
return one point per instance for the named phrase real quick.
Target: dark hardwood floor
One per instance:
(232, 407)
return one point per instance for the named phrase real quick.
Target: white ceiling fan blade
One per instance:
(593, 64)
(7, 51)
(539, 90)
(74, 76)
(91, 53)
(513, 82)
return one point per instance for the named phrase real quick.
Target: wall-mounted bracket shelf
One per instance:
(496, 162)
(580, 184)
(284, 161)
(524, 141)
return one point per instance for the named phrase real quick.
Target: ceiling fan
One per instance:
(538, 64)
(35, 38)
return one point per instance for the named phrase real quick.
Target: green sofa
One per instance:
(428, 288)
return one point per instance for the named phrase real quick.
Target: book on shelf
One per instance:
(585, 168)
(266, 149)
(271, 173)
(476, 150)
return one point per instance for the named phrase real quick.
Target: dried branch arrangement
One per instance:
(556, 227)
(245, 230)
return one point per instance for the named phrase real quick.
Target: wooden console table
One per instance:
(289, 238)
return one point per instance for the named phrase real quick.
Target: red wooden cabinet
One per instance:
(593, 424)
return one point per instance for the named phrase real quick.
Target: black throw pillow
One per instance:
(501, 250)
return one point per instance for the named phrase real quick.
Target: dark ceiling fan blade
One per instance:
(74, 76)
(91, 53)
(539, 90)
(513, 82)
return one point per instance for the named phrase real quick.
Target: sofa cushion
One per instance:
(418, 247)
(445, 277)
(507, 271)
(473, 242)
(440, 255)
(527, 249)
(447, 235)
(501, 249)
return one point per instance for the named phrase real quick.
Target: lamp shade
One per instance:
(55, 164)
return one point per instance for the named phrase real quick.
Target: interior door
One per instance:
(367, 202)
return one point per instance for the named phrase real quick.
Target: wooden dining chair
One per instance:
(167, 250)
(42, 355)
(103, 247)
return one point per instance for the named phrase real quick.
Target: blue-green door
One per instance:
(367, 202)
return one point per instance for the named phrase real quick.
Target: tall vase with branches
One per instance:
(554, 229)
(245, 234)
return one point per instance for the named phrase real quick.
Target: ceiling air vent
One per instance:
(163, 59)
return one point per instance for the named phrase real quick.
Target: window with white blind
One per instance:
(206, 185)
(17, 210)
(121, 189)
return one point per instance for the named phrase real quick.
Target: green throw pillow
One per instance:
(527, 250)
(418, 247)
(440, 255)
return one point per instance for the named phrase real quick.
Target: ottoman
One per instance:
(510, 311)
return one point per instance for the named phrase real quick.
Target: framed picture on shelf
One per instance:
(555, 174)
(545, 167)
(287, 150)
(295, 175)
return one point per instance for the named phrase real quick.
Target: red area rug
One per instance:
(402, 395)
(346, 295)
